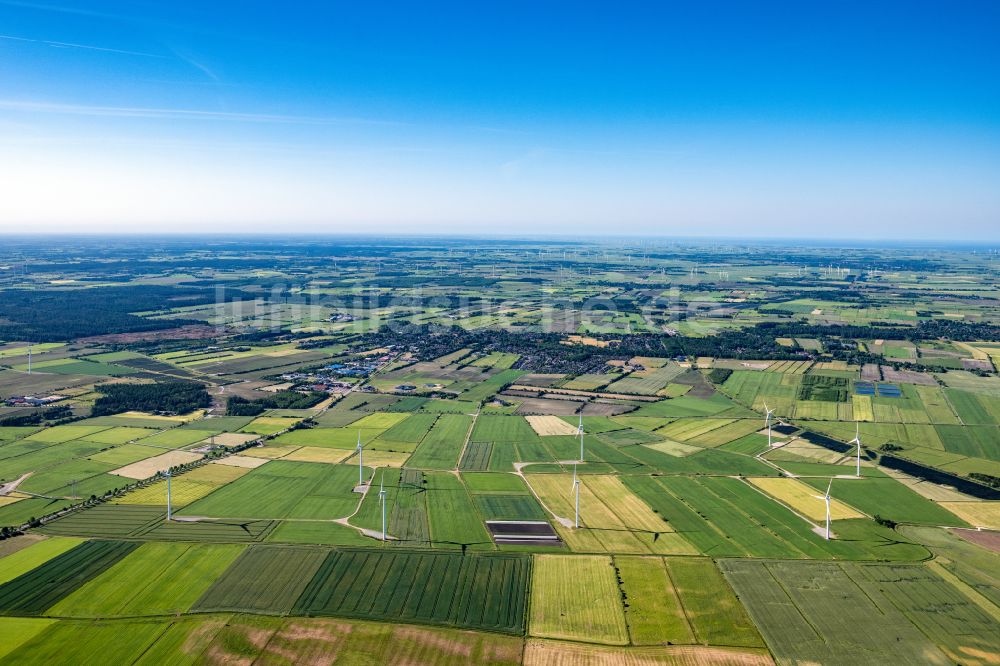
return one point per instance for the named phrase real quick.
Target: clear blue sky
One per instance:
(862, 119)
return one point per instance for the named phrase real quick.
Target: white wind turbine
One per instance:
(579, 431)
(381, 499)
(857, 440)
(167, 474)
(361, 462)
(576, 487)
(826, 498)
(767, 424)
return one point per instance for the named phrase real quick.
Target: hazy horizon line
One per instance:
(443, 235)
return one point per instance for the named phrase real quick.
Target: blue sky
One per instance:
(860, 119)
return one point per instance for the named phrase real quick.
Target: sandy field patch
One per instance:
(150, 466)
(802, 498)
(550, 425)
(978, 514)
(557, 653)
(320, 454)
(230, 439)
(248, 462)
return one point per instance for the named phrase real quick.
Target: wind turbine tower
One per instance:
(826, 498)
(576, 488)
(767, 423)
(381, 499)
(29, 358)
(361, 462)
(857, 441)
(167, 474)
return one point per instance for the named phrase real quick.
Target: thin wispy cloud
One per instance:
(59, 8)
(86, 47)
(201, 67)
(185, 114)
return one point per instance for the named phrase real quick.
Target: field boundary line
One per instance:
(465, 444)
(954, 411)
(718, 531)
(621, 597)
(784, 591)
(680, 600)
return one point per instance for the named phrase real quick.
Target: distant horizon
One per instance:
(387, 238)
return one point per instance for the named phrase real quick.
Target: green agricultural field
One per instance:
(107, 521)
(509, 507)
(502, 429)
(576, 597)
(713, 610)
(412, 429)
(126, 454)
(409, 522)
(176, 439)
(282, 489)
(66, 433)
(975, 569)
(442, 445)
(119, 435)
(212, 531)
(34, 592)
(454, 520)
(843, 613)
(495, 482)
(473, 591)
(379, 421)
(646, 382)
(653, 610)
(966, 632)
(477, 455)
(725, 517)
(26, 559)
(264, 579)
(155, 579)
(15, 631)
(89, 642)
(889, 499)
(266, 425)
(974, 409)
(485, 389)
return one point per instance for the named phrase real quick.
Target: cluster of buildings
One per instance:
(336, 377)
(32, 401)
